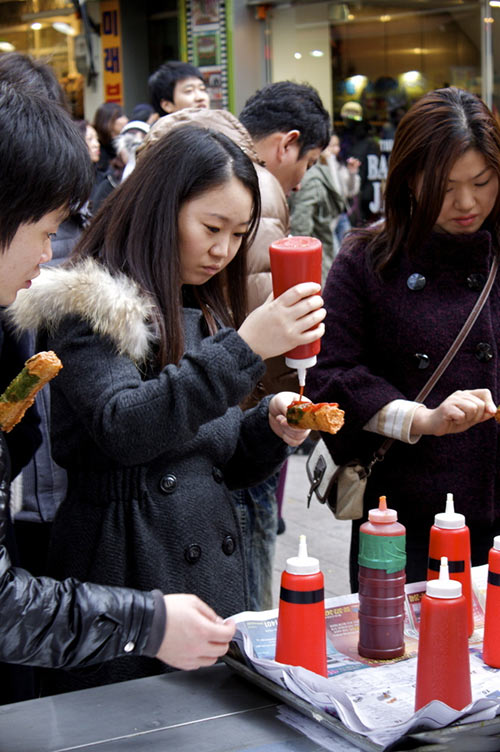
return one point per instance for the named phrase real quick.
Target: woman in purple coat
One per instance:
(397, 295)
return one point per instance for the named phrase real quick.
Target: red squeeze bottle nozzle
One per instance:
(450, 537)
(491, 645)
(443, 669)
(301, 634)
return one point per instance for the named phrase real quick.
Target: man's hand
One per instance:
(195, 636)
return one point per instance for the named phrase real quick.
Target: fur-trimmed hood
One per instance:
(113, 305)
(219, 120)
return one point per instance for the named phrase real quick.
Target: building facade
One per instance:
(382, 55)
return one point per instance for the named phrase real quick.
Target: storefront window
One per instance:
(370, 61)
(45, 29)
(383, 56)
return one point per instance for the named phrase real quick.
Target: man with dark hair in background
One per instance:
(177, 85)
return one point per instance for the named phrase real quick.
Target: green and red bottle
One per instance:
(301, 634)
(450, 537)
(382, 561)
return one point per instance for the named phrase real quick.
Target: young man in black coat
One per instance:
(44, 172)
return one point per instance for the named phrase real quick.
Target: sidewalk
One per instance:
(328, 539)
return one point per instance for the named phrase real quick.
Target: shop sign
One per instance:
(111, 51)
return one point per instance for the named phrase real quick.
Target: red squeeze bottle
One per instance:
(301, 635)
(450, 537)
(293, 260)
(382, 561)
(491, 645)
(443, 670)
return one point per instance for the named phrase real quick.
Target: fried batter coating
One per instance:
(21, 392)
(325, 416)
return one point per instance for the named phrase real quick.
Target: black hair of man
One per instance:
(162, 82)
(142, 111)
(31, 74)
(44, 162)
(286, 106)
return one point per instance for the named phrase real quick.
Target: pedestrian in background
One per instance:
(109, 120)
(176, 86)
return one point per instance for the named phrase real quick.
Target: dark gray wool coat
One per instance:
(379, 335)
(151, 456)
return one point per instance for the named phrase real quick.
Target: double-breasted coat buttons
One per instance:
(416, 281)
(192, 553)
(484, 352)
(228, 545)
(217, 475)
(168, 483)
(422, 360)
(476, 281)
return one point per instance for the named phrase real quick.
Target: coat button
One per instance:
(217, 475)
(228, 545)
(423, 360)
(484, 352)
(476, 281)
(168, 483)
(416, 281)
(129, 647)
(192, 553)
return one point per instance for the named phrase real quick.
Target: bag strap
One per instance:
(454, 348)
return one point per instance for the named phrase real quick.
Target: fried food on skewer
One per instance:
(21, 392)
(324, 416)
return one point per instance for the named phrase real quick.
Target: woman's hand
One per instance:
(353, 165)
(295, 318)
(455, 414)
(277, 419)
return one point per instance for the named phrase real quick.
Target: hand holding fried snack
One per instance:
(324, 416)
(21, 392)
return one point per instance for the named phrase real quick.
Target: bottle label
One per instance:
(453, 566)
(382, 552)
(302, 596)
(493, 578)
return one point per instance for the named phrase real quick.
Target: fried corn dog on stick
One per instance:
(497, 415)
(21, 392)
(325, 416)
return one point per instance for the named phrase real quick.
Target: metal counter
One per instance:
(209, 710)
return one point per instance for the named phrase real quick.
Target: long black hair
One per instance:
(136, 229)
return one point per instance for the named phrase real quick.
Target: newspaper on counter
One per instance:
(373, 698)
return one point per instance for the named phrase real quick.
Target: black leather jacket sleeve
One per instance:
(64, 624)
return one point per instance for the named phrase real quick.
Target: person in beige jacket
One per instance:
(283, 128)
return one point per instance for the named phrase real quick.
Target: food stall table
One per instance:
(210, 710)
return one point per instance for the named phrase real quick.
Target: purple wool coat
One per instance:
(382, 342)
